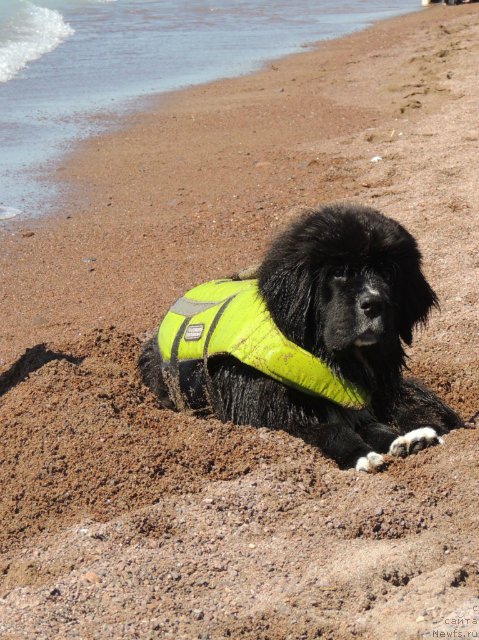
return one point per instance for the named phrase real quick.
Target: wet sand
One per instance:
(122, 519)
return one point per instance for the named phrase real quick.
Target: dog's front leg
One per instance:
(414, 441)
(386, 439)
(421, 418)
(340, 442)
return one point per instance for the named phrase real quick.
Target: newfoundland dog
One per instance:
(327, 316)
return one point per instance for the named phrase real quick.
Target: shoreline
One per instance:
(118, 122)
(79, 118)
(103, 121)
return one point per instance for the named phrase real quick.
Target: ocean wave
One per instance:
(8, 212)
(30, 33)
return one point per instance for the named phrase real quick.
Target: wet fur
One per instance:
(345, 283)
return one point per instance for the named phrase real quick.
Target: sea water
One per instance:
(64, 61)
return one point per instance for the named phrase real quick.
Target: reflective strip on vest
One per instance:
(230, 317)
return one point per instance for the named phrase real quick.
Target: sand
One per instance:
(122, 520)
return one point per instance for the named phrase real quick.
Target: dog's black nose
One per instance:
(371, 303)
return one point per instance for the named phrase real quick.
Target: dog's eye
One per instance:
(339, 272)
(388, 276)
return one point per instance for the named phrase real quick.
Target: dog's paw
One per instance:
(372, 462)
(414, 441)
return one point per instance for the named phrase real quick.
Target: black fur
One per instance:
(345, 283)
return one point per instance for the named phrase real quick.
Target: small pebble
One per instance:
(91, 577)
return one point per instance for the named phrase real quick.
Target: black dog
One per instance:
(344, 283)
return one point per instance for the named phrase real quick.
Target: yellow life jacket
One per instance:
(230, 317)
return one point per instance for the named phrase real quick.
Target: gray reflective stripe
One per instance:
(188, 308)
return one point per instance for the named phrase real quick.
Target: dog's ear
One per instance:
(416, 297)
(287, 291)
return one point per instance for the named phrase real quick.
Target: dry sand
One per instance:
(120, 520)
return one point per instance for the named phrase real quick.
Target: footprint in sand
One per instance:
(413, 104)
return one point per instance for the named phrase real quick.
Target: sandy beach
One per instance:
(121, 520)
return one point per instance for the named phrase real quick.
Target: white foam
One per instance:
(32, 32)
(8, 212)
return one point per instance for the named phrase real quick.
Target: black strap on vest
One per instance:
(171, 371)
(189, 381)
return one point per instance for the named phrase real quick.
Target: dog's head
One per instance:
(345, 277)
